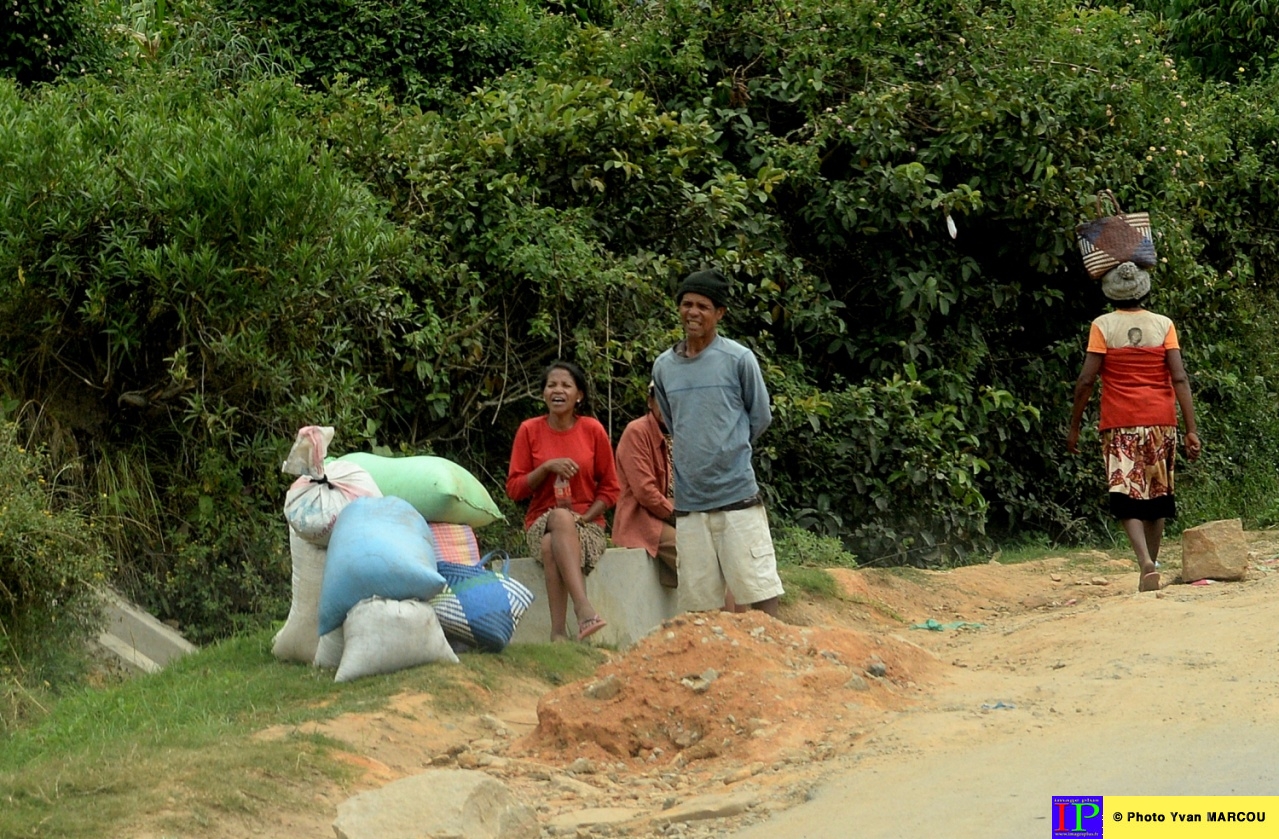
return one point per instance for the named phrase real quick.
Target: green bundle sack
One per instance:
(437, 488)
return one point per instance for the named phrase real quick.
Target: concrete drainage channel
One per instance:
(141, 643)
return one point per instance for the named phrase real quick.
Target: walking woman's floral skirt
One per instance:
(1139, 469)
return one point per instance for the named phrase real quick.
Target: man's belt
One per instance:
(744, 504)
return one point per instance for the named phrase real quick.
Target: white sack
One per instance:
(382, 636)
(314, 500)
(297, 640)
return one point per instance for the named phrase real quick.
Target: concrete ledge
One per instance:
(140, 640)
(624, 588)
(133, 661)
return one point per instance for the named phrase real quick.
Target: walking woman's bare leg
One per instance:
(1154, 537)
(1136, 530)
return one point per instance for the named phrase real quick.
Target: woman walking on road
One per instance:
(1137, 355)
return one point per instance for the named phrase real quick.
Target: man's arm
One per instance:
(754, 395)
(659, 391)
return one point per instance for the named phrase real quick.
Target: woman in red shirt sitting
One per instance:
(1138, 357)
(562, 463)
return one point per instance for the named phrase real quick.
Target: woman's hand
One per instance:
(565, 467)
(1193, 446)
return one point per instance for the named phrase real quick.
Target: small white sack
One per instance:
(297, 640)
(313, 502)
(328, 654)
(383, 636)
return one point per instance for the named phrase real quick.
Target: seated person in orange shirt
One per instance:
(645, 513)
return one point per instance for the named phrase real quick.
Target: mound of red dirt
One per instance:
(720, 685)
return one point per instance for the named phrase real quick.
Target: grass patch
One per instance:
(818, 583)
(803, 556)
(798, 547)
(810, 581)
(181, 740)
(1084, 565)
(904, 572)
(1027, 550)
(877, 605)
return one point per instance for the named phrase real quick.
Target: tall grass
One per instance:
(50, 561)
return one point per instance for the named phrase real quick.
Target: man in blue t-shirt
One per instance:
(713, 396)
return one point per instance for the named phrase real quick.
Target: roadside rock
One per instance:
(1216, 550)
(707, 807)
(455, 803)
(571, 822)
(605, 688)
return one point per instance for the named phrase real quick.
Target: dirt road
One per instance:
(848, 719)
(1130, 694)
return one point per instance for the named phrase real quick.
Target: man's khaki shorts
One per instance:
(732, 550)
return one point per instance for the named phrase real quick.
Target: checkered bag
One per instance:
(480, 607)
(1111, 240)
(455, 543)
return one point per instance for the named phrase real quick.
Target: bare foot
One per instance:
(590, 626)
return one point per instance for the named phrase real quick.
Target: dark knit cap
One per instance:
(710, 283)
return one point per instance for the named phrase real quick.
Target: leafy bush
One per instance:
(893, 468)
(890, 121)
(797, 547)
(1220, 40)
(425, 51)
(188, 279)
(51, 560)
(557, 215)
(43, 40)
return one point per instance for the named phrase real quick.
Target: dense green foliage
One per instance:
(187, 277)
(42, 40)
(51, 558)
(313, 212)
(425, 51)
(1220, 39)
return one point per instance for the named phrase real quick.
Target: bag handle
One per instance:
(1113, 201)
(497, 554)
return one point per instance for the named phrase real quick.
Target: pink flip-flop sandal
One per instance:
(590, 626)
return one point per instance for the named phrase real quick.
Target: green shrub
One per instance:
(425, 51)
(51, 560)
(200, 256)
(187, 278)
(1219, 40)
(797, 547)
(894, 468)
(43, 40)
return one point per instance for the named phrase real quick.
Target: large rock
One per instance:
(450, 803)
(1216, 550)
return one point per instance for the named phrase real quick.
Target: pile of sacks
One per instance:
(370, 537)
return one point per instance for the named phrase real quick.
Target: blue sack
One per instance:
(480, 607)
(380, 547)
